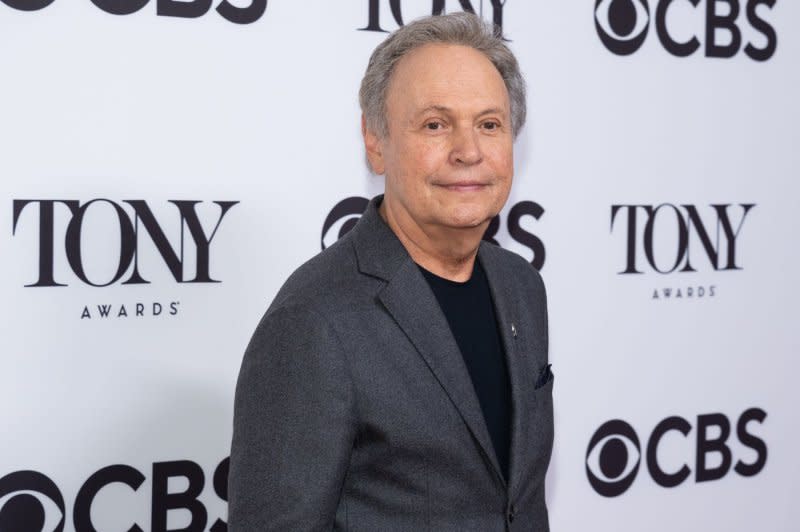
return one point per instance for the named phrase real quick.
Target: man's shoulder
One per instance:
(326, 283)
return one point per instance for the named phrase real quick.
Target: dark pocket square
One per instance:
(545, 375)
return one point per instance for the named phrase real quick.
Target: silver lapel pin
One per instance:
(514, 330)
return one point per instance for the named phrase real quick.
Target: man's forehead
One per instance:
(452, 79)
(443, 65)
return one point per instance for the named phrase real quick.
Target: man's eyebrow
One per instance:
(492, 111)
(441, 108)
(445, 109)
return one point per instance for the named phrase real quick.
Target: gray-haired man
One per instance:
(399, 380)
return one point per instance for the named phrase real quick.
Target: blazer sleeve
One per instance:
(293, 426)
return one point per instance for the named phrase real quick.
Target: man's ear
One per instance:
(372, 144)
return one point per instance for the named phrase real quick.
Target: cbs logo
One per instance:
(614, 453)
(31, 502)
(622, 26)
(234, 12)
(345, 214)
(342, 218)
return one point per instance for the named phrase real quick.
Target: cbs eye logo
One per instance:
(614, 453)
(622, 24)
(345, 215)
(610, 465)
(30, 502)
(342, 218)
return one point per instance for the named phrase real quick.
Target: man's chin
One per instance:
(469, 221)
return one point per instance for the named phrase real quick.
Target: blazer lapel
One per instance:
(502, 291)
(410, 301)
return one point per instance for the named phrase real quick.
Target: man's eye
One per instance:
(491, 126)
(433, 126)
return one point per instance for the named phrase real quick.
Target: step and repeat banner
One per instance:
(166, 164)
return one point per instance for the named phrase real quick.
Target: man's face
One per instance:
(448, 157)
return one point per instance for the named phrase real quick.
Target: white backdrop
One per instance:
(156, 108)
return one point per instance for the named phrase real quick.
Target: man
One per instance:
(399, 380)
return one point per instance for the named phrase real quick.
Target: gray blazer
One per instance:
(354, 409)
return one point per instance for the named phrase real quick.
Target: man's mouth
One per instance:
(464, 186)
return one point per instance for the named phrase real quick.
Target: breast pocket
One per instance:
(543, 394)
(540, 428)
(545, 376)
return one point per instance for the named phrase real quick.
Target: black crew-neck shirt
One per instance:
(470, 313)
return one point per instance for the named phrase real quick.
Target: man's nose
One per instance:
(466, 149)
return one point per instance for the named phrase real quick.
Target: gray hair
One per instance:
(460, 28)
